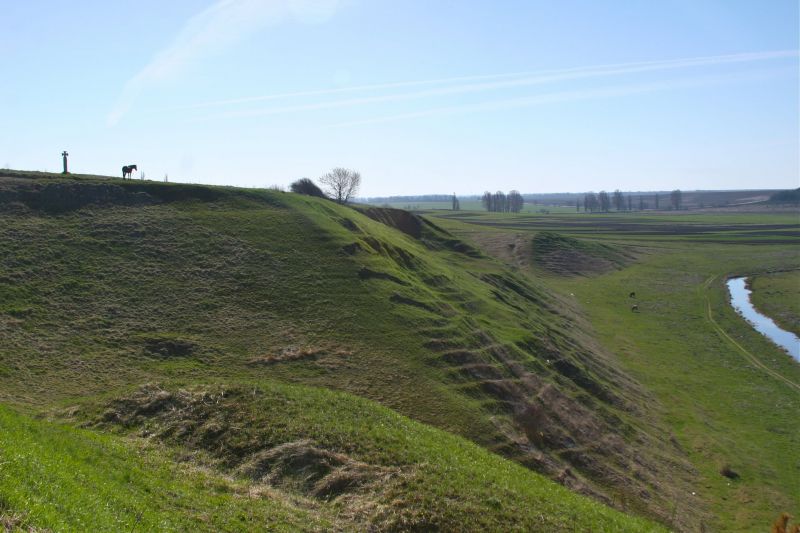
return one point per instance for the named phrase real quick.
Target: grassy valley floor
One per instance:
(734, 409)
(777, 294)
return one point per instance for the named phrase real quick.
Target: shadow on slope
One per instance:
(376, 470)
(558, 403)
(423, 229)
(413, 319)
(569, 256)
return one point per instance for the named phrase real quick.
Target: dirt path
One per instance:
(749, 356)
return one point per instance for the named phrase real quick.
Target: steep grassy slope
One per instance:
(104, 284)
(730, 396)
(57, 478)
(281, 458)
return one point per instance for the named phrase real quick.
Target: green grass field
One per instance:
(106, 285)
(468, 322)
(58, 478)
(724, 409)
(778, 296)
(344, 464)
(473, 205)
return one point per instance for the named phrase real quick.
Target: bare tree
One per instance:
(605, 201)
(500, 202)
(590, 202)
(488, 201)
(515, 202)
(619, 201)
(675, 198)
(342, 183)
(456, 203)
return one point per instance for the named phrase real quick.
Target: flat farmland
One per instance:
(750, 228)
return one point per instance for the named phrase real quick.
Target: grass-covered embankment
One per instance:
(108, 284)
(272, 457)
(58, 478)
(735, 419)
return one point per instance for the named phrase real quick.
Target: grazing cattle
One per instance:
(127, 170)
(632, 295)
(635, 308)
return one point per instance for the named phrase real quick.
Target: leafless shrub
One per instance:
(307, 187)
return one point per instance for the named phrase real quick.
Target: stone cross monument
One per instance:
(64, 155)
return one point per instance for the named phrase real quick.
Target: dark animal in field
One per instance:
(127, 170)
(635, 308)
(632, 295)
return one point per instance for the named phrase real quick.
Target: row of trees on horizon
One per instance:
(500, 202)
(602, 202)
(342, 185)
(635, 199)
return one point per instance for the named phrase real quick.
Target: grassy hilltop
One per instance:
(289, 359)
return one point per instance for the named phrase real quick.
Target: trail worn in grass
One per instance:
(729, 395)
(728, 410)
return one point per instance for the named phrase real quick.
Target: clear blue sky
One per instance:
(421, 96)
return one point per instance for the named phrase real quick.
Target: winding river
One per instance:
(740, 300)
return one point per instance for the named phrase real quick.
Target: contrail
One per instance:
(358, 88)
(525, 78)
(218, 27)
(542, 77)
(566, 96)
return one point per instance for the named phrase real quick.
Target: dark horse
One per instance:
(127, 170)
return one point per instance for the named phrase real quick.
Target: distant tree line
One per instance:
(676, 198)
(791, 196)
(603, 201)
(422, 198)
(500, 202)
